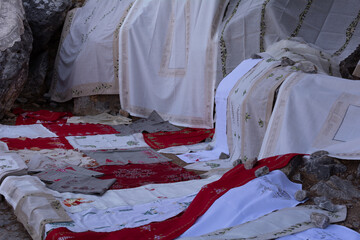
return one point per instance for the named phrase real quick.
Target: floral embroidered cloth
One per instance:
(81, 129)
(102, 118)
(174, 227)
(41, 116)
(134, 175)
(11, 164)
(25, 131)
(185, 136)
(107, 141)
(36, 143)
(122, 157)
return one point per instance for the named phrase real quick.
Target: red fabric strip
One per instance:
(36, 143)
(185, 136)
(174, 227)
(42, 116)
(135, 175)
(81, 129)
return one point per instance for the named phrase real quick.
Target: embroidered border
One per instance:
(349, 34)
(302, 17)
(222, 44)
(263, 25)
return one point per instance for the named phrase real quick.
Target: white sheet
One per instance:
(107, 141)
(221, 98)
(310, 113)
(113, 219)
(86, 63)
(248, 202)
(168, 64)
(28, 131)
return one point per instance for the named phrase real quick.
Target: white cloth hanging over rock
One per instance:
(168, 64)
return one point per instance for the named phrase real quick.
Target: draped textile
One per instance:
(313, 111)
(168, 64)
(330, 25)
(86, 62)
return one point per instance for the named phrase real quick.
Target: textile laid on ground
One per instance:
(185, 136)
(36, 143)
(3, 146)
(122, 157)
(76, 179)
(247, 203)
(108, 141)
(81, 129)
(41, 116)
(153, 123)
(34, 204)
(345, 150)
(36, 210)
(25, 131)
(221, 100)
(53, 158)
(176, 53)
(133, 196)
(332, 26)
(134, 175)
(11, 165)
(332, 232)
(113, 219)
(87, 60)
(174, 227)
(312, 111)
(12, 26)
(103, 118)
(276, 224)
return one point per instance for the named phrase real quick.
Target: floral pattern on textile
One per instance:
(41, 116)
(81, 129)
(186, 136)
(134, 175)
(37, 143)
(69, 202)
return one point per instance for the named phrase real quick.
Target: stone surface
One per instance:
(336, 188)
(301, 195)
(320, 220)
(262, 171)
(250, 163)
(10, 228)
(348, 65)
(325, 203)
(92, 105)
(14, 62)
(45, 17)
(223, 156)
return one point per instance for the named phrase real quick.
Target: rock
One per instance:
(93, 105)
(285, 61)
(350, 177)
(209, 147)
(307, 67)
(336, 188)
(338, 168)
(301, 195)
(45, 17)
(237, 162)
(250, 163)
(15, 49)
(325, 203)
(223, 156)
(348, 64)
(323, 166)
(358, 172)
(318, 154)
(261, 171)
(124, 113)
(21, 100)
(320, 220)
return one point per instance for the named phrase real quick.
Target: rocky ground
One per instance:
(337, 181)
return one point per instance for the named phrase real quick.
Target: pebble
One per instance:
(223, 156)
(261, 171)
(237, 162)
(320, 220)
(250, 163)
(301, 195)
(285, 61)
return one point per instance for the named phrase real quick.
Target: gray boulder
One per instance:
(15, 48)
(46, 18)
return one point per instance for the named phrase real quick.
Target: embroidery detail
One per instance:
(263, 26)
(301, 19)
